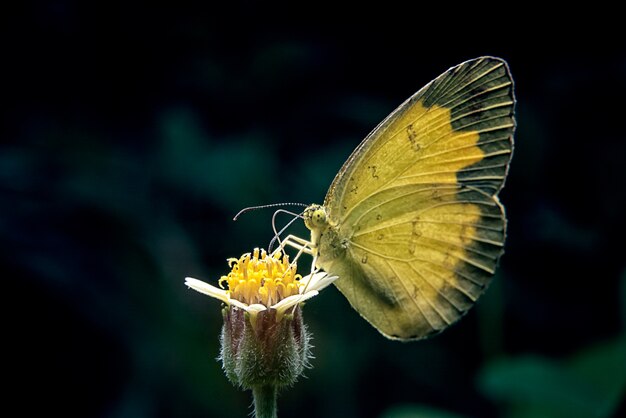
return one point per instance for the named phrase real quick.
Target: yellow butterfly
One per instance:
(412, 224)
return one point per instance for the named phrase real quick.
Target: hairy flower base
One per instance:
(274, 352)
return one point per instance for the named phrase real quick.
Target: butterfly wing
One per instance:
(418, 256)
(416, 226)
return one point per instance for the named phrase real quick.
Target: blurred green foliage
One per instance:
(591, 384)
(416, 411)
(132, 137)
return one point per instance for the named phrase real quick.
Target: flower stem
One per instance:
(264, 401)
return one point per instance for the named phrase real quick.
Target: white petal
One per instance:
(306, 280)
(317, 281)
(238, 304)
(290, 301)
(256, 308)
(253, 311)
(325, 282)
(207, 289)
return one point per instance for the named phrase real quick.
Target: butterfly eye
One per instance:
(319, 217)
(315, 217)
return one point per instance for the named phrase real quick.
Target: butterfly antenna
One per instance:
(278, 233)
(272, 205)
(276, 237)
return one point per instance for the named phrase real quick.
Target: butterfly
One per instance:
(412, 224)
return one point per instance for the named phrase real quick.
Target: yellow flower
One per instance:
(262, 345)
(259, 281)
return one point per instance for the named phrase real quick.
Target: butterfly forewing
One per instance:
(416, 226)
(458, 128)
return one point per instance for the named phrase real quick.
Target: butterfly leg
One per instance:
(303, 246)
(300, 244)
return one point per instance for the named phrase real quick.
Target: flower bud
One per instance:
(274, 351)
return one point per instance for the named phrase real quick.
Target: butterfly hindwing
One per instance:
(418, 263)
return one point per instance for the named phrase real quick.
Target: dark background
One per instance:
(132, 135)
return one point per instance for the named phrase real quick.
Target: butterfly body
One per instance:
(412, 224)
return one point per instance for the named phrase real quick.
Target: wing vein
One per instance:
(438, 290)
(414, 300)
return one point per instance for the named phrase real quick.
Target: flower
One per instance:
(259, 281)
(264, 342)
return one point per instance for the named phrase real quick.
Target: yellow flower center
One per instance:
(261, 278)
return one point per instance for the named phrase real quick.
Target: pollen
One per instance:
(262, 278)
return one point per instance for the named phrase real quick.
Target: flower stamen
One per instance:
(261, 278)
(259, 281)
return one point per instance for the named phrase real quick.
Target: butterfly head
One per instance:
(316, 220)
(315, 217)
